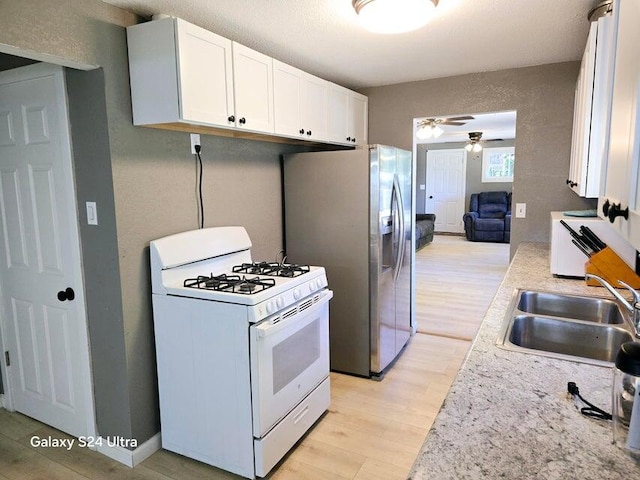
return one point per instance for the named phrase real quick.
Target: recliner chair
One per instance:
(489, 217)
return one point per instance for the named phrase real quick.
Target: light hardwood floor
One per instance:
(372, 431)
(455, 282)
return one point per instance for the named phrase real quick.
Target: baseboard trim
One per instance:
(131, 458)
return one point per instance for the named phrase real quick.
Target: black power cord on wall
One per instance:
(201, 212)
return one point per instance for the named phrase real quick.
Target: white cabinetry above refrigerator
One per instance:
(186, 78)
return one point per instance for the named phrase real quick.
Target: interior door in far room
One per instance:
(446, 170)
(42, 299)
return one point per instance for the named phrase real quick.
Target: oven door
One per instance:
(288, 359)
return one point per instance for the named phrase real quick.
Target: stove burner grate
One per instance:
(230, 283)
(272, 269)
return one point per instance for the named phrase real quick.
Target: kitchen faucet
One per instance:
(634, 309)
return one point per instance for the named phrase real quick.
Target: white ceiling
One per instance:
(323, 37)
(497, 125)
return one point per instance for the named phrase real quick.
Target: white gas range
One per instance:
(242, 349)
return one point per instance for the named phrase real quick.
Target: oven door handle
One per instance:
(265, 329)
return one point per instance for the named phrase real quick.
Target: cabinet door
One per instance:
(338, 114)
(358, 118)
(287, 100)
(315, 108)
(621, 182)
(582, 117)
(205, 76)
(253, 85)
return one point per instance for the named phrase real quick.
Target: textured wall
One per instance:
(153, 179)
(543, 99)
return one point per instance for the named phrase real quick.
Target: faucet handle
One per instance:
(636, 295)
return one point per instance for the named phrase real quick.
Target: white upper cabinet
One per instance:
(183, 75)
(300, 103)
(315, 108)
(179, 73)
(253, 86)
(348, 112)
(591, 110)
(619, 202)
(287, 100)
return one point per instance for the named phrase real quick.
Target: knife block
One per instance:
(609, 266)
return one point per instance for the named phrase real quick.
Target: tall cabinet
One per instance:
(591, 109)
(619, 201)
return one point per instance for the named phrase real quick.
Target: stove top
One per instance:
(272, 269)
(230, 283)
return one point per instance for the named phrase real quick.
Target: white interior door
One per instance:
(44, 331)
(446, 171)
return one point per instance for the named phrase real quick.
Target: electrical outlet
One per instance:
(92, 213)
(422, 186)
(195, 140)
(521, 210)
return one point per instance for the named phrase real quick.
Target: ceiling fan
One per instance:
(430, 127)
(475, 142)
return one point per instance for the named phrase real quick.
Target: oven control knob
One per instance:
(319, 283)
(270, 307)
(297, 294)
(279, 302)
(311, 287)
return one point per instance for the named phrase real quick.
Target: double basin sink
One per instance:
(572, 327)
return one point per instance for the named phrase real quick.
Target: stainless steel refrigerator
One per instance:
(352, 213)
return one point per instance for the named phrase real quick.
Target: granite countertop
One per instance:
(508, 414)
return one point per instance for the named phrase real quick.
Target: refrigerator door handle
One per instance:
(398, 225)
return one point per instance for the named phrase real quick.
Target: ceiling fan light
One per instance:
(424, 132)
(437, 131)
(394, 16)
(477, 148)
(468, 147)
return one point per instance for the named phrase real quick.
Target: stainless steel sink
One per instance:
(571, 327)
(578, 339)
(590, 309)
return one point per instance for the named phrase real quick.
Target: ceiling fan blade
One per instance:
(464, 117)
(457, 124)
(495, 140)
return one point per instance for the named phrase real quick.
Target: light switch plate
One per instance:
(521, 210)
(92, 213)
(422, 186)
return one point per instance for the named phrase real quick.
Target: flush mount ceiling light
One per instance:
(474, 142)
(394, 16)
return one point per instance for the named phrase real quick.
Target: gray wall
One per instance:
(153, 189)
(543, 99)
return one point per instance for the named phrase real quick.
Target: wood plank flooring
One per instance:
(455, 282)
(372, 431)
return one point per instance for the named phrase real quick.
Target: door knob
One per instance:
(430, 196)
(67, 294)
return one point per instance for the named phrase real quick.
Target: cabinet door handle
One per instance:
(616, 211)
(605, 207)
(309, 132)
(301, 131)
(242, 121)
(67, 294)
(573, 184)
(353, 139)
(232, 118)
(348, 139)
